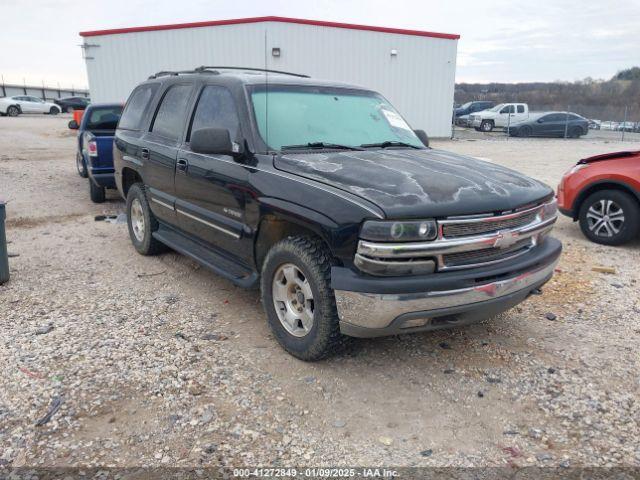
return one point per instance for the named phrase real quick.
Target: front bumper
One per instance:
(370, 307)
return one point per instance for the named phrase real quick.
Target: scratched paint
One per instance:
(410, 183)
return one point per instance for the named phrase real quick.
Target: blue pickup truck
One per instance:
(94, 158)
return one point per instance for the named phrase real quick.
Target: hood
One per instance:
(419, 183)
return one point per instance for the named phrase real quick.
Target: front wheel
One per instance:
(486, 126)
(298, 298)
(575, 132)
(142, 222)
(610, 217)
(524, 131)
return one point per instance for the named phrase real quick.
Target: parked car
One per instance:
(69, 104)
(594, 124)
(551, 124)
(471, 107)
(330, 202)
(499, 116)
(625, 127)
(14, 106)
(602, 193)
(462, 121)
(94, 155)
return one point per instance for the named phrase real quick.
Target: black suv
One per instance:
(322, 194)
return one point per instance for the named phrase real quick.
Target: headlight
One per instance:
(401, 231)
(550, 209)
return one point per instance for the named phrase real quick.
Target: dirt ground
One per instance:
(156, 361)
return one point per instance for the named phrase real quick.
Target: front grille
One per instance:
(486, 225)
(485, 255)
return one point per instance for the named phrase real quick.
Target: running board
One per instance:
(214, 261)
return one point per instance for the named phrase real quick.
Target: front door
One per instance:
(505, 116)
(211, 189)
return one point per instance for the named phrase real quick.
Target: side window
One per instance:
(216, 109)
(520, 108)
(136, 106)
(172, 112)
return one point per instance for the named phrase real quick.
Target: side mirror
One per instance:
(73, 125)
(540, 120)
(213, 140)
(421, 134)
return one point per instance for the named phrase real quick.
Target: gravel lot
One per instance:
(156, 361)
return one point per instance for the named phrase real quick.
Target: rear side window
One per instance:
(172, 112)
(104, 118)
(216, 109)
(136, 106)
(520, 108)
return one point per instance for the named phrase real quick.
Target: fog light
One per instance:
(415, 322)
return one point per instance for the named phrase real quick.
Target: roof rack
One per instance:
(251, 69)
(166, 73)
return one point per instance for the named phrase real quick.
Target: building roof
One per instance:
(299, 21)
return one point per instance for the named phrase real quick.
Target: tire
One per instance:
(575, 132)
(13, 111)
(142, 241)
(524, 132)
(96, 192)
(304, 265)
(81, 166)
(623, 221)
(54, 111)
(486, 126)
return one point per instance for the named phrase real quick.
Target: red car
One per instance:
(603, 194)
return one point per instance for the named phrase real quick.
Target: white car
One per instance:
(14, 106)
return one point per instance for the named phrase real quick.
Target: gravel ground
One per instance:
(156, 361)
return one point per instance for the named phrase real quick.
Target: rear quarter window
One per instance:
(136, 106)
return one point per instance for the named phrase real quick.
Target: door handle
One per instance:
(145, 153)
(182, 165)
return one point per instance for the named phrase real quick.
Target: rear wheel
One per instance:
(524, 131)
(53, 111)
(610, 217)
(96, 192)
(486, 126)
(298, 298)
(13, 111)
(142, 222)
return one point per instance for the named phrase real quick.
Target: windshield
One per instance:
(300, 115)
(466, 105)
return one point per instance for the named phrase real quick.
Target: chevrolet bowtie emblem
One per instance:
(505, 239)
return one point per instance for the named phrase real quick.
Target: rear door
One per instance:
(211, 189)
(160, 148)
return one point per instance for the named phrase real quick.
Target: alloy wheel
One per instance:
(293, 300)
(137, 219)
(605, 218)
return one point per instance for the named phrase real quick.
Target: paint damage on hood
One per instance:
(419, 183)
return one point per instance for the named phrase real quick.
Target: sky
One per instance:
(501, 41)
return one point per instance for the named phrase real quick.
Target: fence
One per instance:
(615, 123)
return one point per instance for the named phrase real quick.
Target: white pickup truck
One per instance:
(500, 116)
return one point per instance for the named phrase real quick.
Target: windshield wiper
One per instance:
(312, 145)
(389, 143)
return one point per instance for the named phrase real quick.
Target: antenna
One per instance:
(266, 95)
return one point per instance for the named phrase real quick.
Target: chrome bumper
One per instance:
(380, 311)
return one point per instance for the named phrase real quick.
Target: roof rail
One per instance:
(165, 73)
(251, 69)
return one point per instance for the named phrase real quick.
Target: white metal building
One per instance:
(415, 70)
